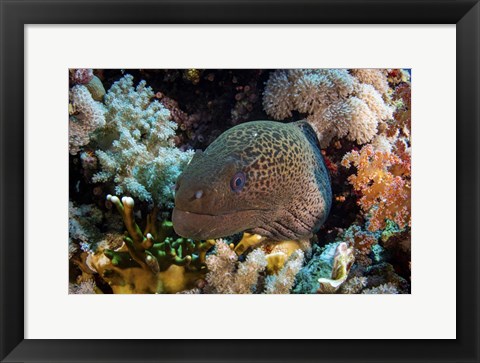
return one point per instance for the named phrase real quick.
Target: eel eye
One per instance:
(238, 181)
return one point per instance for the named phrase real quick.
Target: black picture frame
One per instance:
(16, 13)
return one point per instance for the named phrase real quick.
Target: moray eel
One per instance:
(261, 177)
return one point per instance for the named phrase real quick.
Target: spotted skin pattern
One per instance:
(286, 195)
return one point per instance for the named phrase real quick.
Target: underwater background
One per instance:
(133, 132)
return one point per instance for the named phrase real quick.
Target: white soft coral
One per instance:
(338, 103)
(136, 148)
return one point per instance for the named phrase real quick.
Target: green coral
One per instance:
(145, 263)
(144, 249)
(391, 229)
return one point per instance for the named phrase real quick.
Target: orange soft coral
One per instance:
(403, 114)
(383, 182)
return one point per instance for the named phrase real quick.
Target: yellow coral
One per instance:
(193, 75)
(277, 253)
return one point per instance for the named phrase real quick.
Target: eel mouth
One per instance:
(207, 226)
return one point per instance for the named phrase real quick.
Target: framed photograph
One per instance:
(300, 178)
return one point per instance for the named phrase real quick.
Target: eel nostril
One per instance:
(198, 194)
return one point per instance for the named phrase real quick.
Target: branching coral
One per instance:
(136, 148)
(387, 288)
(338, 103)
(403, 114)
(384, 273)
(80, 75)
(396, 76)
(191, 127)
(376, 279)
(354, 285)
(282, 282)
(391, 230)
(227, 276)
(383, 181)
(83, 287)
(375, 77)
(245, 99)
(362, 241)
(82, 227)
(177, 114)
(86, 115)
(148, 261)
